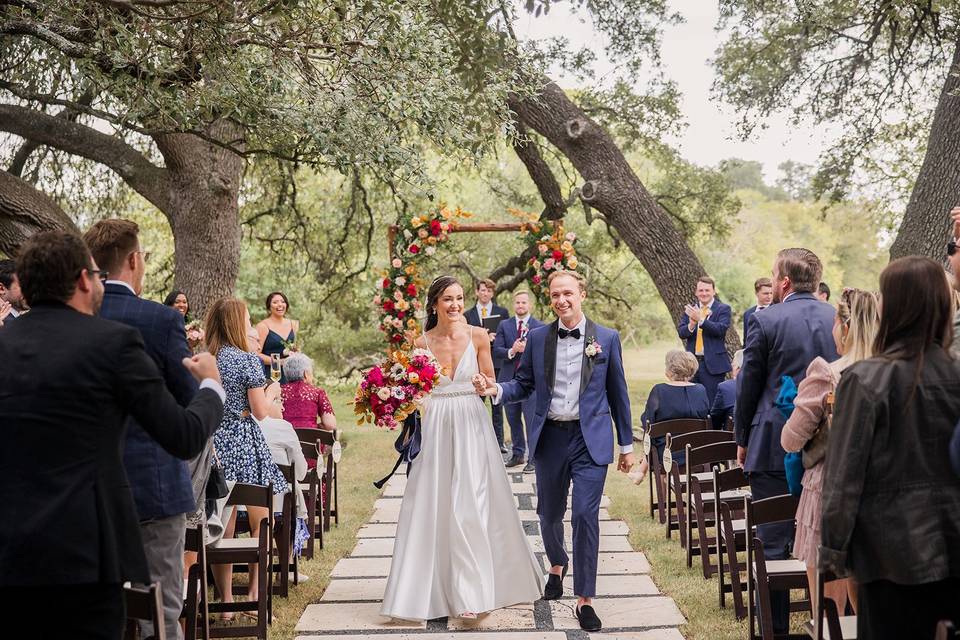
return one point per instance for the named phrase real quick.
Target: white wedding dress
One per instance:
(460, 546)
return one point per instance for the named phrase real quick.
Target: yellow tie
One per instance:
(703, 315)
(483, 312)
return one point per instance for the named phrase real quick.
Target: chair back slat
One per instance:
(770, 510)
(728, 425)
(320, 436)
(678, 426)
(251, 495)
(287, 471)
(711, 452)
(146, 604)
(729, 479)
(309, 450)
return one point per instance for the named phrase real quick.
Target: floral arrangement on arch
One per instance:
(555, 251)
(397, 291)
(390, 391)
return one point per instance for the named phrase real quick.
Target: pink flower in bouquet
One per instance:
(375, 376)
(548, 264)
(386, 283)
(557, 254)
(377, 300)
(435, 228)
(388, 305)
(414, 248)
(397, 263)
(383, 393)
(537, 279)
(571, 236)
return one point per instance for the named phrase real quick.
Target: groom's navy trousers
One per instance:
(562, 456)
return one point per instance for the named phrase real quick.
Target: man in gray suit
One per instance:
(781, 341)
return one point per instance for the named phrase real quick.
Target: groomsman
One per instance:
(12, 304)
(781, 341)
(704, 328)
(508, 346)
(160, 482)
(486, 308)
(763, 289)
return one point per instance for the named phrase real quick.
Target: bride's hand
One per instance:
(479, 383)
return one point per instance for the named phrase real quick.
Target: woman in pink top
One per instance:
(854, 330)
(304, 405)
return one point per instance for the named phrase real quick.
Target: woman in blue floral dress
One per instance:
(239, 442)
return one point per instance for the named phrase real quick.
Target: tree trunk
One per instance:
(204, 187)
(24, 210)
(926, 224)
(612, 188)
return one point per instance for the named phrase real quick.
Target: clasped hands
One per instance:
(485, 385)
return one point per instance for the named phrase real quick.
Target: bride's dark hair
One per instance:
(433, 294)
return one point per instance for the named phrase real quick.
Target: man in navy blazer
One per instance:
(704, 328)
(508, 347)
(160, 482)
(781, 341)
(487, 308)
(763, 290)
(573, 369)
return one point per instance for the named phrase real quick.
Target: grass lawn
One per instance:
(369, 455)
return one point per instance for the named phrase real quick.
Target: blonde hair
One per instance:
(226, 325)
(576, 275)
(680, 365)
(859, 312)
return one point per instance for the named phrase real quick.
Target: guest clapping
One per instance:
(277, 333)
(703, 328)
(854, 332)
(677, 398)
(239, 442)
(305, 405)
(891, 503)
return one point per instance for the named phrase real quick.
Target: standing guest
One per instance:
(508, 347)
(763, 290)
(891, 503)
(726, 399)
(286, 450)
(178, 300)
(854, 332)
(276, 331)
(305, 405)
(677, 398)
(12, 304)
(704, 327)
(487, 308)
(781, 341)
(159, 481)
(239, 442)
(69, 536)
(823, 292)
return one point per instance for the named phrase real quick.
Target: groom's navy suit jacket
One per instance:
(603, 389)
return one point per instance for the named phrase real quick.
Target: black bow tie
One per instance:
(572, 333)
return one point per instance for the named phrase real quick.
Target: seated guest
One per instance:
(69, 534)
(304, 405)
(763, 290)
(703, 328)
(178, 300)
(823, 292)
(12, 304)
(276, 331)
(890, 515)
(677, 398)
(239, 442)
(854, 331)
(285, 449)
(726, 399)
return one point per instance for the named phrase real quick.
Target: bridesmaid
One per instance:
(276, 329)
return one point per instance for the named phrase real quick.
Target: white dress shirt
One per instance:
(709, 305)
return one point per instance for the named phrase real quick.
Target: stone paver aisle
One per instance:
(628, 601)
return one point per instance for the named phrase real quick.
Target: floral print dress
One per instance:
(239, 441)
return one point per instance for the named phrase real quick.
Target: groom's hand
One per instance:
(625, 463)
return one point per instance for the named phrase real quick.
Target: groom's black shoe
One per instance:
(515, 461)
(587, 617)
(554, 588)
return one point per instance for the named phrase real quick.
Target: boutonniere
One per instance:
(593, 347)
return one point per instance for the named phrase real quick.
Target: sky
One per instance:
(710, 135)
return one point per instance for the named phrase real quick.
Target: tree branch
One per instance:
(29, 146)
(144, 177)
(540, 173)
(24, 210)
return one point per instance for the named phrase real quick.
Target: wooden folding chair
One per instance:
(311, 491)
(766, 576)
(327, 439)
(196, 612)
(728, 425)
(837, 627)
(731, 537)
(284, 532)
(676, 476)
(144, 604)
(701, 505)
(656, 430)
(247, 551)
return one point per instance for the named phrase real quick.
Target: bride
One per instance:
(460, 549)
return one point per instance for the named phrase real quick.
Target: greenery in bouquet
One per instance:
(555, 251)
(390, 391)
(289, 347)
(396, 299)
(195, 334)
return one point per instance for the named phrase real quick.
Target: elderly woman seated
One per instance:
(304, 405)
(677, 398)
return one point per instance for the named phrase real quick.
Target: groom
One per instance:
(574, 370)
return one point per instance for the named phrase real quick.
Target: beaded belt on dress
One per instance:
(454, 394)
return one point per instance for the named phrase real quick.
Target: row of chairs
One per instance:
(270, 551)
(708, 502)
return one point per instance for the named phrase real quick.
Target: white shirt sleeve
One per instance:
(216, 387)
(625, 449)
(496, 398)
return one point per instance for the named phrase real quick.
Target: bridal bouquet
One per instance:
(389, 391)
(195, 335)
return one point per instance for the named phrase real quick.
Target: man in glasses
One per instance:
(160, 482)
